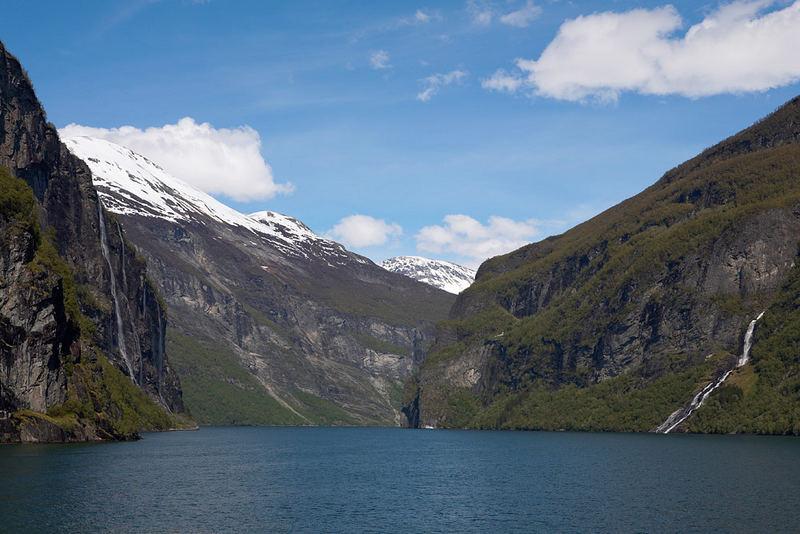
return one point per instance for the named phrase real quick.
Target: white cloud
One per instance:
(358, 231)
(502, 81)
(467, 237)
(740, 47)
(435, 82)
(218, 161)
(421, 16)
(379, 60)
(481, 12)
(522, 17)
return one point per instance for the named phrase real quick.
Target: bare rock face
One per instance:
(316, 324)
(296, 318)
(33, 328)
(115, 293)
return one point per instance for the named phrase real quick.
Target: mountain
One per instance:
(270, 323)
(81, 324)
(624, 319)
(442, 274)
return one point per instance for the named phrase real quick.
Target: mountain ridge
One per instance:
(655, 292)
(444, 275)
(267, 313)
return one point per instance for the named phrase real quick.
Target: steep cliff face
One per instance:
(659, 286)
(108, 284)
(34, 328)
(263, 312)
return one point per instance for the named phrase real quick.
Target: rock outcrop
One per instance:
(108, 284)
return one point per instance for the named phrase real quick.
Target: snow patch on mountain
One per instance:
(131, 184)
(442, 274)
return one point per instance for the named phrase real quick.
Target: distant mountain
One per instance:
(631, 320)
(270, 323)
(81, 325)
(442, 274)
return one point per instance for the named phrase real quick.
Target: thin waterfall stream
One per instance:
(144, 319)
(114, 296)
(122, 258)
(158, 350)
(137, 346)
(679, 416)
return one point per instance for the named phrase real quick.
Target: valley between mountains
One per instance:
(269, 322)
(131, 301)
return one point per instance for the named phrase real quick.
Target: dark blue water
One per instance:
(386, 480)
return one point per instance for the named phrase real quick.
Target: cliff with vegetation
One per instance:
(623, 319)
(81, 327)
(270, 323)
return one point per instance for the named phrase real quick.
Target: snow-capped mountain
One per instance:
(297, 317)
(131, 184)
(442, 274)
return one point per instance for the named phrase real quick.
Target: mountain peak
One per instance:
(130, 184)
(447, 276)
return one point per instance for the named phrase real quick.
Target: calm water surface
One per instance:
(386, 480)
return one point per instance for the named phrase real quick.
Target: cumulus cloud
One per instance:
(467, 237)
(522, 17)
(358, 231)
(421, 16)
(435, 82)
(740, 47)
(215, 160)
(379, 60)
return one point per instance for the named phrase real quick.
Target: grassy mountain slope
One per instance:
(615, 323)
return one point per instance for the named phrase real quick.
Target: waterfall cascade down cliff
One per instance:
(679, 416)
(114, 296)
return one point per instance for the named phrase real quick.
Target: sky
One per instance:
(453, 130)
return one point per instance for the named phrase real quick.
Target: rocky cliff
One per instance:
(618, 322)
(270, 323)
(73, 293)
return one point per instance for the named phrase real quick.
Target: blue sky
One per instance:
(453, 130)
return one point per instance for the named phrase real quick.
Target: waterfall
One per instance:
(679, 416)
(748, 341)
(122, 258)
(144, 320)
(114, 297)
(158, 349)
(137, 346)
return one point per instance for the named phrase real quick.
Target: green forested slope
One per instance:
(614, 324)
